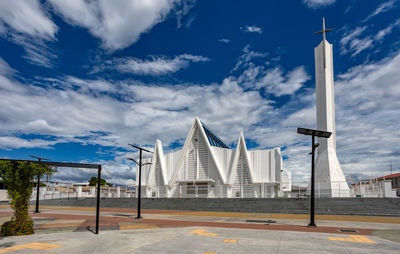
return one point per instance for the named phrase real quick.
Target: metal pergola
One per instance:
(70, 165)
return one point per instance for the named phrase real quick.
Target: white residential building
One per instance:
(207, 167)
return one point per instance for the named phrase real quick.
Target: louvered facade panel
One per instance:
(158, 175)
(203, 160)
(191, 165)
(242, 175)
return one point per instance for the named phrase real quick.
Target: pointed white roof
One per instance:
(210, 139)
(240, 148)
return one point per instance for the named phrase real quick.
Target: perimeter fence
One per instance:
(377, 189)
(370, 189)
(71, 191)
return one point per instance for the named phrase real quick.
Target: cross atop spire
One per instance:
(323, 31)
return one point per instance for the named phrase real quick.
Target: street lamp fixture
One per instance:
(140, 173)
(313, 133)
(40, 159)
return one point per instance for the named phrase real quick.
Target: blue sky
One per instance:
(79, 80)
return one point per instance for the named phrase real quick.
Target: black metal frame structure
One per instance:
(68, 165)
(313, 133)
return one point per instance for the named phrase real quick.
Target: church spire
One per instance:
(323, 31)
(328, 172)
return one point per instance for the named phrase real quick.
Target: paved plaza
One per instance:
(70, 230)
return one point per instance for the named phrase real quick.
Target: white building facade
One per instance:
(207, 167)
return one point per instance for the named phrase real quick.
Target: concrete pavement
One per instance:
(65, 230)
(198, 240)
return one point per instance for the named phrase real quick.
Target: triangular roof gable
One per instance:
(158, 156)
(223, 179)
(196, 123)
(241, 146)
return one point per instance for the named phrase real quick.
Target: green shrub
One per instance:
(12, 228)
(19, 179)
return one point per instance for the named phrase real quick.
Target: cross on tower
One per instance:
(323, 31)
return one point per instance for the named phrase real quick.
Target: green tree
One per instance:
(19, 178)
(103, 182)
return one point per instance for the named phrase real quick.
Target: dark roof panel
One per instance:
(212, 138)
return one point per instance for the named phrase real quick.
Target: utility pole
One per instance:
(38, 182)
(140, 177)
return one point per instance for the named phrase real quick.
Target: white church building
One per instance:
(207, 167)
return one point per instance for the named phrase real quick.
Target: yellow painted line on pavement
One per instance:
(210, 253)
(353, 238)
(230, 241)
(202, 232)
(35, 246)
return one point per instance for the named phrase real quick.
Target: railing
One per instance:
(340, 189)
(259, 190)
(334, 189)
(57, 192)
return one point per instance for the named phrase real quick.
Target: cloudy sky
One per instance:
(79, 80)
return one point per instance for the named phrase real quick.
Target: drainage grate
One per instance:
(348, 230)
(261, 221)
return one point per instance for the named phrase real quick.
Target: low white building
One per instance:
(207, 167)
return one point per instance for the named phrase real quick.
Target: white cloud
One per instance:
(224, 40)
(384, 7)
(15, 143)
(253, 29)
(27, 17)
(27, 24)
(358, 45)
(91, 113)
(305, 117)
(5, 69)
(93, 86)
(273, 80)
(350, 35)
(367, 109)
(247, 57)
(318, 3)
(351, 43)
(157, 65)
(117, 23)
(386, 31)
(182, 11)
(354, 44)
(36, 51)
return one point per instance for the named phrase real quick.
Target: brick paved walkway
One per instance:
(61, 219)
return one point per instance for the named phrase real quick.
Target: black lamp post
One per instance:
(38, 182)
(140, 177)
(313, 133)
